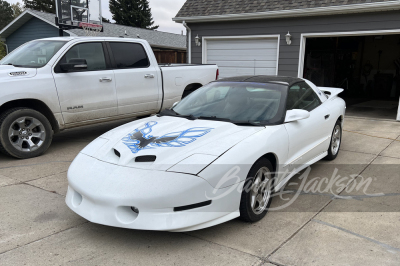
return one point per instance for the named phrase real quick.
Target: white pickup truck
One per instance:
(53, 84)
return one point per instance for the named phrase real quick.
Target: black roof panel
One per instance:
(264, 79)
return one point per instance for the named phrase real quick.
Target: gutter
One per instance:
(317, 11)
(189, 37)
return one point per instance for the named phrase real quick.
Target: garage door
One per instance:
(237, 57)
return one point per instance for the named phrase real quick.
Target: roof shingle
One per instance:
(224, 7)
(155, 38)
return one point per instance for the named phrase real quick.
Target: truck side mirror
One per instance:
(76, 64)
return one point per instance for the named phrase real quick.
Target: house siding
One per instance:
(31, 30)
(289, 54)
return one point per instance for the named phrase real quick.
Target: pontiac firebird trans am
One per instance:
(218, 154)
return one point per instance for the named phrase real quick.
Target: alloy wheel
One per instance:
(261, 191)
(27, 134)
(336, 139)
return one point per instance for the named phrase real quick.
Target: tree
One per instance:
(3, 51)
(6, 14)
(48, 6)
(135, 13)
(105, 20)
(17, 9)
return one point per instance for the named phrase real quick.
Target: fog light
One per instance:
(135, 210)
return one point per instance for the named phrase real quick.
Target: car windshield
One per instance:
(237, 102)
(34, 54)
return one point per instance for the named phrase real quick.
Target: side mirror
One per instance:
(74, 65)
(296, 115)
(174, 104)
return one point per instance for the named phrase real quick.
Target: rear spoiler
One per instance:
(331, 92)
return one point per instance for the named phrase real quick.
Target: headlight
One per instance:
(193, 164)
(94, 146)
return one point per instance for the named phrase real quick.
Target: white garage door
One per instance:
(238, 57)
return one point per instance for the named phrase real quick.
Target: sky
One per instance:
(163, 12)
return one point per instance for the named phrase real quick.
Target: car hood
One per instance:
(11, 73)
(171, 140)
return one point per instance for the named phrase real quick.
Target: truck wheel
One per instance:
(24, 133)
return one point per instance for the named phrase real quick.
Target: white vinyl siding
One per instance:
(242, 56)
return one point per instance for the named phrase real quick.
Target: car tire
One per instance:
(24, 133)
(336, 141)
(257, 191)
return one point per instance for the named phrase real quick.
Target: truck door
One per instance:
(137, 84)
(89, 93)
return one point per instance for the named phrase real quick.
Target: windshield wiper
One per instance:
(214, 118)
(170, 112)
(247, 123)
(11, 64)
(239, 123)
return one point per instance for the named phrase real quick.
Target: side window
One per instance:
(93, 53)
(129, 55)
(302, 96)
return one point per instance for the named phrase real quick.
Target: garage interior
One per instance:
(366, 67)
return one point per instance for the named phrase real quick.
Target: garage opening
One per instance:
(366, 67)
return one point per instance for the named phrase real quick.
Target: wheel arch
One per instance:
(191, 88)
(272, 158)
(36, 105)
(341, 118)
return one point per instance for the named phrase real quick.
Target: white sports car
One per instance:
(209, 159)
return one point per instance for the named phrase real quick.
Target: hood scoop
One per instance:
(146, 159)
(117, 153)
(139, 159)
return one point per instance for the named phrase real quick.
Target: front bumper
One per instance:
(104, 193)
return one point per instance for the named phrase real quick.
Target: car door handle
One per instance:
(149, 76)
(327, 116)
(105, 79)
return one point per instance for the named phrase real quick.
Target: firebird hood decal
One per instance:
(141, 139)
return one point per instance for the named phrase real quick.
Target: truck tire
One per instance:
(24, 133)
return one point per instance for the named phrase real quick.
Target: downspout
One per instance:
(189, 38)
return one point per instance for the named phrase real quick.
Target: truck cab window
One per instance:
(129, 55)
(93, 53)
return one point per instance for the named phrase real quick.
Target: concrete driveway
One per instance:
(37, 228)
